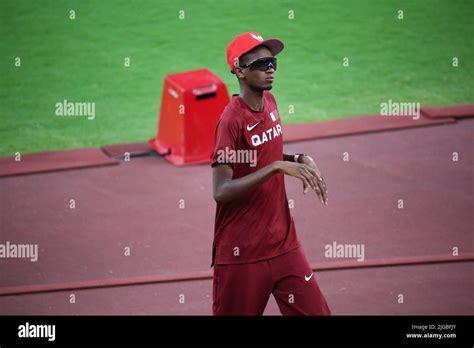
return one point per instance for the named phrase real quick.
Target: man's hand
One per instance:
(321, 188)
(308, 174)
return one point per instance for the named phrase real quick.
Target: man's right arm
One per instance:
(225, 190)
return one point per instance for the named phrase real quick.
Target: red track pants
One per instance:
(244, 289)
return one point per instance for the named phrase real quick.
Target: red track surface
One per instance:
(136, 204)
(41, 162)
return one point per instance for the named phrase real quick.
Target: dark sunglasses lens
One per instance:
(264, 64)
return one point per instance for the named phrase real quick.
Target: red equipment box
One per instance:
(191, 103)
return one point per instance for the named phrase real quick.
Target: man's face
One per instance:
(256, 79)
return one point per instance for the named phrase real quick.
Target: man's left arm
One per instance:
(321, 189)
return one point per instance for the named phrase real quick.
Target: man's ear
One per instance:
(239, 73)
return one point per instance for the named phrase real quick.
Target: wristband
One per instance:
(297, 157)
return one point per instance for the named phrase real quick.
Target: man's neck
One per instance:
(253, 99)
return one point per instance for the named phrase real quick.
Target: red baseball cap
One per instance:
(247, 41)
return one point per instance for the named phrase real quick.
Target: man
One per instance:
(256, 251)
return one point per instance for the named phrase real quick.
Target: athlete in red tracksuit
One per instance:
(256, 251)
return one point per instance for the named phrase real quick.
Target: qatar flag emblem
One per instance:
(274, 115)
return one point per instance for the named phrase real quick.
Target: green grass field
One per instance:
(83, 60)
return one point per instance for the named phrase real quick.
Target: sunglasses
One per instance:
(262, 64)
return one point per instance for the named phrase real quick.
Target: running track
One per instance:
(136, 204)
